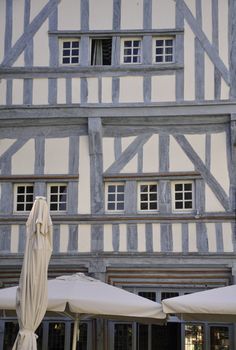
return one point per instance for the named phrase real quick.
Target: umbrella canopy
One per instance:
(218, 305)
(31, 294)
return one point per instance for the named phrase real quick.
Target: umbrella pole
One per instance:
(75, 332)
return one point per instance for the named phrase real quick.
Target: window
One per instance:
(148, 295)
(163, 50)
(70, 51)
(57, 197)
(101, 50)
(182, 196)
(131, 50)
(148, 197)
(115, 196)
(24, 197)
(167, 295)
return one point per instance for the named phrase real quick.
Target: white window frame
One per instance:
(62, 41)
(107, 184)
(57, 184)
(148, 183)
(164, 38)
(183, 182)
(123, 40)
(16, 186)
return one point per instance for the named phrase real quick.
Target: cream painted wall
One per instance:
(134, 21)
(141, 238)
(206, 19)
(198, 143)
(64, 238)
(5, 144)
(36, 7)
(224, 90)
(126, 141)
(108, 152)
(192, 238)
(75, 90)
(14, 238)
(92, 90)
(163, 88)
(20, 61)
(156, 237)
(192, 6)
(219, 166)
(67, 19)
(56, 156)
(107, 238)
(40, 91)
(131, 89)
(17, 91)
(84, 177)
(84, 238)
(189, 63)
(151, 155)
(211, 235)
(2, 28)
(41, 46)
(26, 152)
(107, 90)
(100, 14)
(163, 14)
(227, 237)
(177, 237)
(123, 238)
(212, 203)
(18, 20)
(209, 83)
(131, 166)
(3, 91)
(178, 160)
(61, 90)
(223, 31)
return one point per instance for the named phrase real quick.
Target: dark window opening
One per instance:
(101, 51)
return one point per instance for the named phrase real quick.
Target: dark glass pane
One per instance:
(62, 206)
(179, 196)
(135, 51)
(144, 206)
(143, 336)
(10, 333)
(144, 197)
(111, 197)
(153, 197)
(169, 42)
(111, 188)
(62, 198)
(123, 336)
(75, 60)
(143, 188)
(83, 337)
(75, 52)
(159, 51)
(20, 189)
(169, 50)
(66, 44)
(20, 207)
(188, 195)
(66, 60)
(169, 58)
(188, 187)
(63, 189)
(136, 43)
(128, 43)
(56, 336)
(159, 59)
(28, 206)
(29, 198)
(159, 42)
(188, 204)
(20, 198)
(120, 188)
(127, 52)
(54, 189)
(111, 206)
(75, 44)
(153, 188)
(53, 198)
(120, 206)
(53, 206)
(120, 197)
(178, 187)
(178, 205)
(29, 189)
(127, 59)
(153, 206)
(135, 59)
(66, 52)
(148, 295)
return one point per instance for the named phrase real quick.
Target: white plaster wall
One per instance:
(36, 7)
(17, 91)
(131, 14)
(126, 141)
(207, 19)
(2, 28)
(192, 6)
(224, 90)
(123, 238)
(198, 143)
(84, 238)
(209, 83)
(108, 152)
(223, 31)
(141, 238)
(20, 61)
(131, 89)
(5, 144)
(61, 90)
(3, 91)
(64, 238)
(177, 237)
(131, 166)
(92, 90)
(189, 63)
(100, 14)
(56, 156)
(163, 14)
(212, 203)
(22, 161)
(68, 19)
(107, 90)
(192, 238)
(151, 155)
(227, 237)
(211, 236)
(14, 238)
(156, 237)
(40, 91)
(163, 88)
(84, 177)
(75, 90)
(41, 46)
(219, 166)
(18, 20)
(178, 159)
(107, 238)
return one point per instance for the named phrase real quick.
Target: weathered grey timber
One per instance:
(6, 205)
(73, 238)
(130, 197)
(149, 239)
(84, 52)
(215, 41)
(116, 237)
(199, 58)
(84, 19)
(232, 47)
(202, 241)
(40, 188)
(9, 92)
(72, 207)
(115, 59)
(117, 147)
(28, 92)
(68, 91)
(12, 150)
(147, 86)
(116, 14)
(52, 91)
(39, 155)
(28, 58)
(84, 90)
(8, 27)
(97, 238)
(219, 237)
(208, 151)
(166, 238)
(164, 196)
(53, 41)
(199, 165)
(5, 241)
(185, 238)
(32, 28)
(147, 49)
(74, 155)
(115, 90)
(56, 238)
(164, 144)
(179, 52)
(200, 196)
(22, 238)
(147, 14)
(132, 237)
(140, 160)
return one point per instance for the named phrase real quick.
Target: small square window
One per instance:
(57, 197)
(183, 196)
(163, 50)
(115, 197)
(70, 51)
(24, 198)
(148, 197)
(131, 51)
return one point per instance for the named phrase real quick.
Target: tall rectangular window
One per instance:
(163, 50)
(148, 197)
(115, 196)
(182, 196)
(57, 195)
(24, 197)
(70, 51)
(132, 50)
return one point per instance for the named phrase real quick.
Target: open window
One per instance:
(101, 51)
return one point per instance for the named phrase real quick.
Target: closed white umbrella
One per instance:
(218, 305)
(31, 295)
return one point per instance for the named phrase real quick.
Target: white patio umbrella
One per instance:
(218, 305)
(31, 294)
(82, 296)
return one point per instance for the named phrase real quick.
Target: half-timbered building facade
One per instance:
(122, 114)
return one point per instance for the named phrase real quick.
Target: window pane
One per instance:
(123, 336)
(111, 197)
(178, 187)
(153, 206)
(169, 58)
(120, 206)
(188, 195)
(53, 206)
(159, 51)
(20, 198)
(75, 60)
(62, 206)
(29, 198)
(66, 44)
(53, 198)
(128, 43)
(179, 196)
(127, 59)
(66, 60)
(54, 189)
(188, 205)
(193, 337)
(120, 197)
(111, 206)
(159, 59)
(159, 42)
(29, 189)
(20, 207)
(28, 206)
(178, 205)
(75, 44)
(120, 188)
(144, 206)
(153, 188)
(136, 43)
(144, 188)
(111, 188)
(169, 42)
(188, 187)
(144, 197)
(153, 197)
(21, 189)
